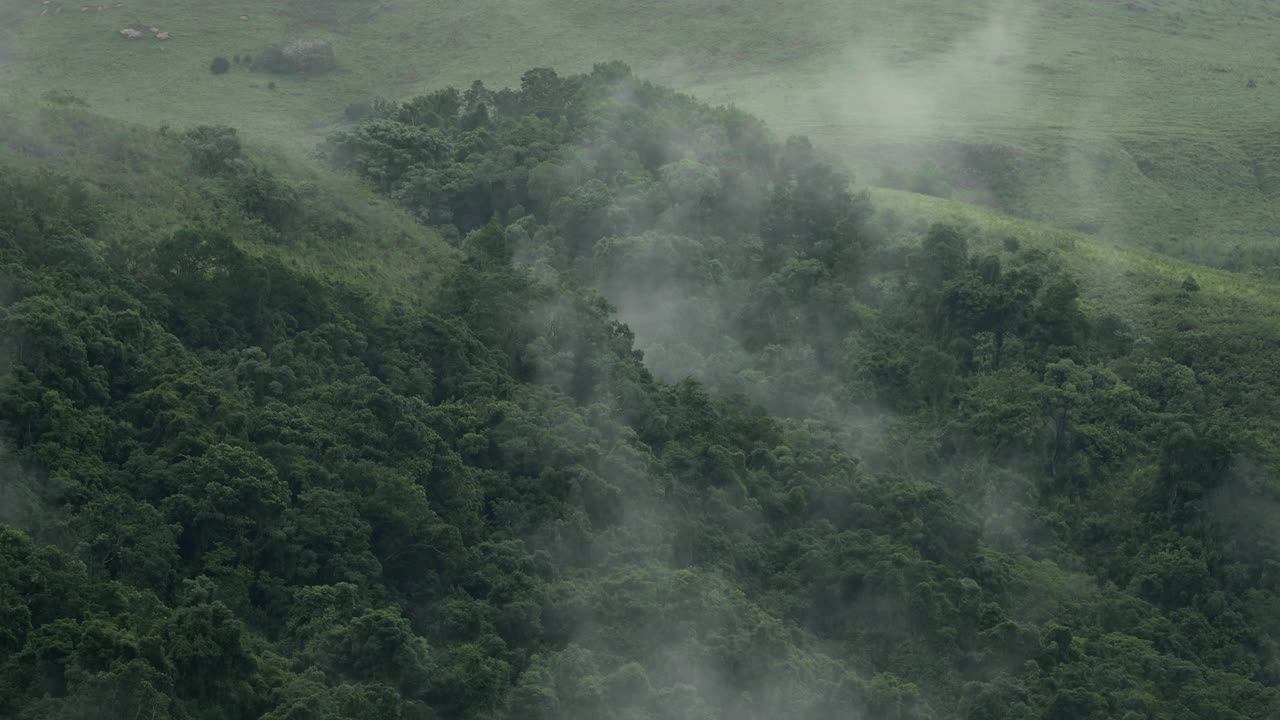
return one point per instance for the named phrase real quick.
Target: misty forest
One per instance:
(577, 359)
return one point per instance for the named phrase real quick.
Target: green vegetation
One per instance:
(276, 451)
(1149, 122)
(345, 233)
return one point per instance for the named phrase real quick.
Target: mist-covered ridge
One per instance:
(585, 399)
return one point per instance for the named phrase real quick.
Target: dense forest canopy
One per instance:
(685, 429)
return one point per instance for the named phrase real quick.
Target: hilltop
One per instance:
(1149, 123)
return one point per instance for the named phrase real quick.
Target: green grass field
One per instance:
(1150, 122)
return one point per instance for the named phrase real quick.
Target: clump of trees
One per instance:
(220, 65)
(216, 154)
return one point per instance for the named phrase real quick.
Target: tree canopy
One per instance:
(687, 430)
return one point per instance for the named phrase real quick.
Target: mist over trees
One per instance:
(687, 430)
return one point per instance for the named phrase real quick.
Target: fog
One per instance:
(661, 572)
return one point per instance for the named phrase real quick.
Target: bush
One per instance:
(264, 196)
(212, 148)
(309, 55)
(270, 59)
(219, 65)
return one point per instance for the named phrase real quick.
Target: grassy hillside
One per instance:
(348, 234)
(1145, 121)
(1112, 278)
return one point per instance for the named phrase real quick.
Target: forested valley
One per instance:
(675, 425)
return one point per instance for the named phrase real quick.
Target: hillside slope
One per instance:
(257, 470)
(1147, 122)
(313, 220)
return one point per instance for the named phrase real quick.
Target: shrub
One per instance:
(219, 65)
(270, 59)
(212, 148)
(309, 55)
(263, 196)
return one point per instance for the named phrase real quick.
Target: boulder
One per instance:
(162, 35)
(131, 34)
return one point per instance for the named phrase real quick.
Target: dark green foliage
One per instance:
(274, 496)
(216, 152)
(212, 148)
(220, 65)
